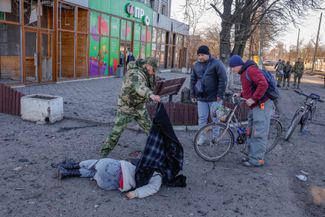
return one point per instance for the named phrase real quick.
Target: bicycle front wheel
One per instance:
(274, 136)
(213, 141)
(294, 123)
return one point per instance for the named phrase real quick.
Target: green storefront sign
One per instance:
(106, 32)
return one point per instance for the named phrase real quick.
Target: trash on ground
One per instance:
(302, 178)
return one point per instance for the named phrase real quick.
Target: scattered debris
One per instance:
(302, 178)
(304, 173)
(18, 169)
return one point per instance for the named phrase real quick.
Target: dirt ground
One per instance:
(28, 186)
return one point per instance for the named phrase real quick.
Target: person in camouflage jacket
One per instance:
(287, 75)
(279, 71)
(298, 71)
(137, 88)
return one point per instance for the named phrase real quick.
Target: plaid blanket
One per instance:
(163, 151)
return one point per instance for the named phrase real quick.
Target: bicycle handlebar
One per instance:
(311, 96)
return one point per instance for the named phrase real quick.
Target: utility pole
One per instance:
(297, 55)
(316, 46)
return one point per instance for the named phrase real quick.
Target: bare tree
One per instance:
(248, 15)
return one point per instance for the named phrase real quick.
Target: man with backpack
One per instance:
(256, 91)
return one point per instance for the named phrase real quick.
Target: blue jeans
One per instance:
(206, 108)
(259, 124)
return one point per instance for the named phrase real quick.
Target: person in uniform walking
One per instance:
(137, 88)
(287, 75)
(279, 71)
(298, 71)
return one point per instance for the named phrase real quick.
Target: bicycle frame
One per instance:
(233, 122)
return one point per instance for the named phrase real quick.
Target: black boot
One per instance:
(64, 173)
(69, 164)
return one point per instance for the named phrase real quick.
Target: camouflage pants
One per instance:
(121, 122)
(295, 78)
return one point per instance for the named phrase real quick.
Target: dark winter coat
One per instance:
(215, 80)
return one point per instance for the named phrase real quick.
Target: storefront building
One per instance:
(47, 41)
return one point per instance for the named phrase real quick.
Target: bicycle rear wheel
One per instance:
(212, 144)
(274, 136)
(294, 123)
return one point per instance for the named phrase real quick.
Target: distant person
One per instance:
(212, 75)
(287, 75)
(130, 57)
(298, 71)
(259, 117)
(279, 66)
(111, 174)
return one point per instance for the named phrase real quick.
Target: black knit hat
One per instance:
(203, 49)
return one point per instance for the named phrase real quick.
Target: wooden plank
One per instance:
(1, 98)
(10, 101)
(6, 100)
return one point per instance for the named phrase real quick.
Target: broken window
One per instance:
(9, 10)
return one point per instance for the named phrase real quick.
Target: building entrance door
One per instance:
(125, 47)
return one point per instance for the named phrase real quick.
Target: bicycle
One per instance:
(304, 113)
(229, 126)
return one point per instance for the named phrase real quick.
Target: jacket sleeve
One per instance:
(151, 188)
(139, 84)
(260, 81)
(193, 82)
(222, 79)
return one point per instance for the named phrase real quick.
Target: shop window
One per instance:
(82, 20)
(94, 28)
(148, 50)
(104, 21)
(38, 14)
(136, 49)
(128, 31)
(46, 14)
(137, 32)
(114, 58)
(103, 56)
(81, 59)
(123, 29)
(163, 37)
(30, 12)
(9, 53)
(66, 17)
(158, 33)
(143, 50)
(148, 34)
(154, 34)
(66, 61)
(162, 60)
(115, 27)
(143, 34)
(9, 10)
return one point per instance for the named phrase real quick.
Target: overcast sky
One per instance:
(308, 27)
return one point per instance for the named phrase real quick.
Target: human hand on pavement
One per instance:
(155, 98)
(130, 195)
(250, 102)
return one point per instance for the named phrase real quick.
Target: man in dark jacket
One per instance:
(212, 74)
(254, 86)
